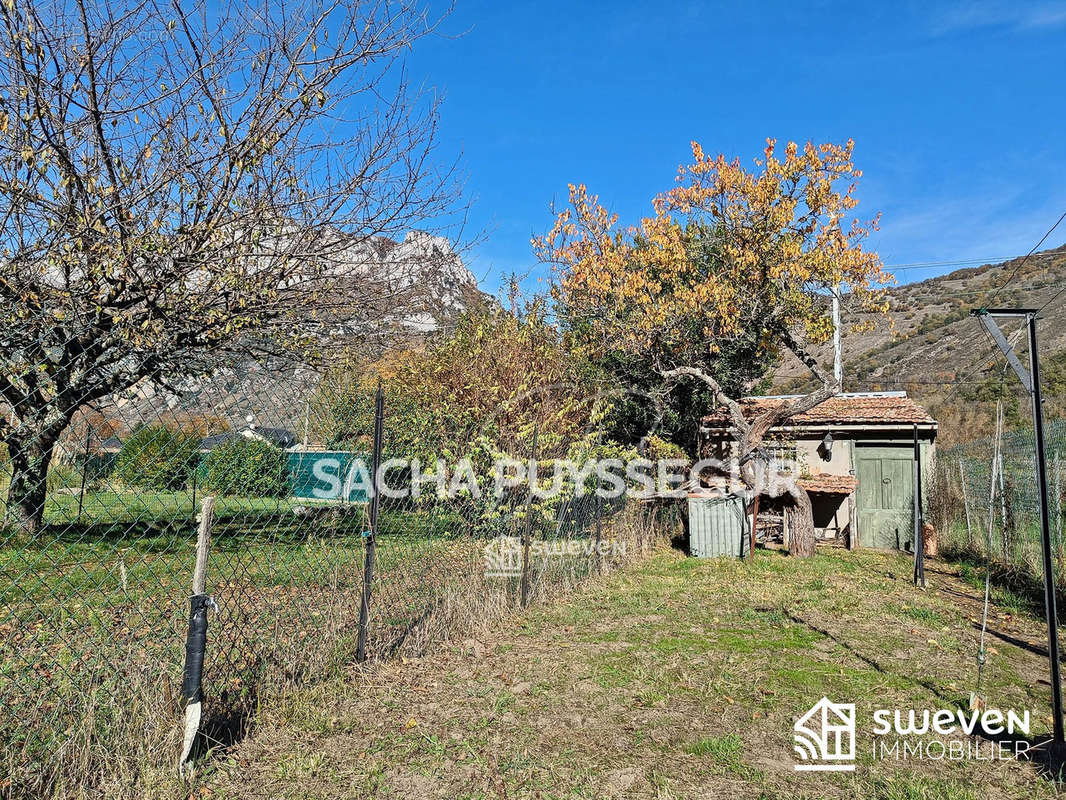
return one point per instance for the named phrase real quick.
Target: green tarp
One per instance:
(330, 475)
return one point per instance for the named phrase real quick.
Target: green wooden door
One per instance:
(885, 496)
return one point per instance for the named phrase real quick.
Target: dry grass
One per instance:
(464, 602)
(106, 721)
(676, 678)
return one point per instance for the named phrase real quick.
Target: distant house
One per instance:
(279, 437)
(854, 455)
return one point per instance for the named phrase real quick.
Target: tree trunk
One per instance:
(801, 540)
(800, 517)
(753, 431)
(29, 480)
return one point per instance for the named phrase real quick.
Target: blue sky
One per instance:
(958, 111)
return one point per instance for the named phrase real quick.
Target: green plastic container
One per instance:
(718, 525)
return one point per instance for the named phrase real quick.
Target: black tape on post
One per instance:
(196, 639)
(191, 676)
(195, 647)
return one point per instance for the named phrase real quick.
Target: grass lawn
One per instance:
(93, 613)
(126, 545)
(676, 678)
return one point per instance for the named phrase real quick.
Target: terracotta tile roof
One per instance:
(843, 409)
(830, 484)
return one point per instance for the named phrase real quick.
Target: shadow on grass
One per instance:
(1016, 587)
(227, 724)
(1021, 644)
(1049, 760)
(1041, 751)
(868, 660)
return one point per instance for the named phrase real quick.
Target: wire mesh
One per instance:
(1002, 519)
(96, 566)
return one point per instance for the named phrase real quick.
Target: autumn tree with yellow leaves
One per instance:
(731, 271)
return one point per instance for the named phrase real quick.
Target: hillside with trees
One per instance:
(934, 349)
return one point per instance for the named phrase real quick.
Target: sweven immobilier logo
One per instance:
(824, 738)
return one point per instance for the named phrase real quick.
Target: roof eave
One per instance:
(836, 426)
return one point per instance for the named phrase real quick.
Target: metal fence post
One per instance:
(1045, 531)
(919, 533)
(527, 534)
(1058, 511)
(1031, 381)
(372, 534)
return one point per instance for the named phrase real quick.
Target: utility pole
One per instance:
(1031, 381)
(919, 522)
(838, 365)
(1045, 531)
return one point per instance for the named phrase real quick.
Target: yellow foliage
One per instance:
(497, 370)
(779, 244)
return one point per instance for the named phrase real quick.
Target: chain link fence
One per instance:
(97, 566)
(1002, 520)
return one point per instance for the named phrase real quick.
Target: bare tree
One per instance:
(184, 179)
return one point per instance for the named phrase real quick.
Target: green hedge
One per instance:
(158, 457)
(246, 468)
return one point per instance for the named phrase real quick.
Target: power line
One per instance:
(961, 263)
(1055, 296)
(968, 372)
(964, 262)
(972, 292)
(915, 382)
(1014, 273)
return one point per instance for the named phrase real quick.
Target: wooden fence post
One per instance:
(597, 556)
(196, 638)
(1003, 509)
(528, 533)
(203, 545)
(754, 525)
(84, 468)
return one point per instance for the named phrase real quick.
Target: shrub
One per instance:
(157, 457)
(62, 476)
(246, 467)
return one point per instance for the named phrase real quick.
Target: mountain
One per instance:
(931, 346)
(422, 280)
(381, 292)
